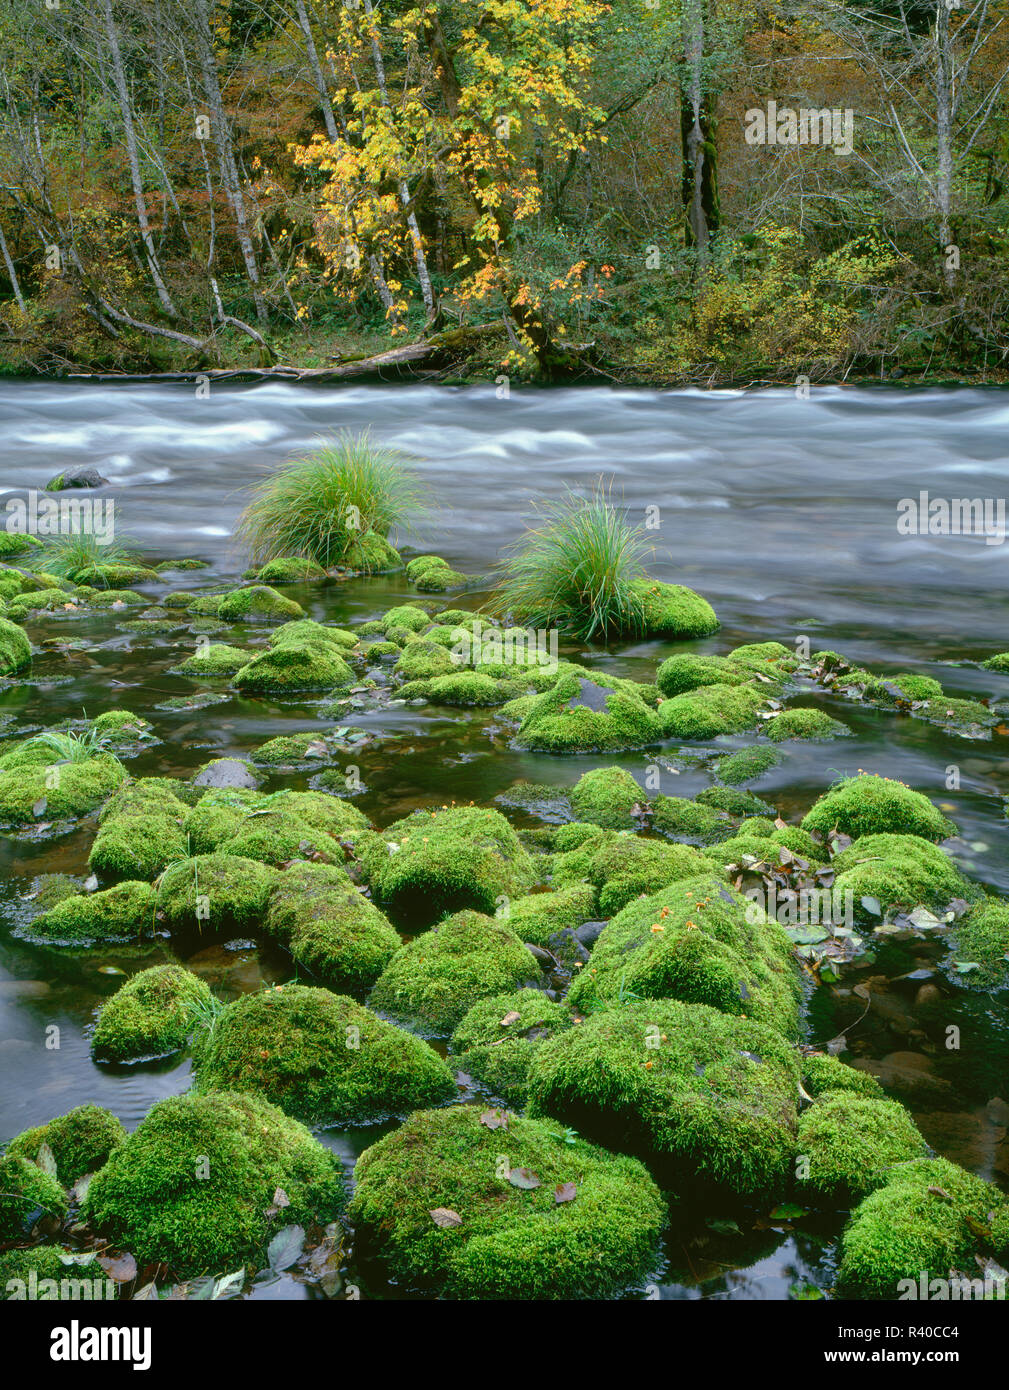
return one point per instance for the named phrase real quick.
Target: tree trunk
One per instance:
(699, 185)
(143, 221)
(944, 134)
(12, 274)
(226, 154)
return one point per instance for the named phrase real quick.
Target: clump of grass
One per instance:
(576, 569)
(74, 748)
(317, 504)
(66, 557)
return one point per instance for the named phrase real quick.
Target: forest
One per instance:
(644, 191)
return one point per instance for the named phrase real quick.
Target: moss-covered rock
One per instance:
(998, 662)
(290, 569)
(586, 712)
(329, 927)
(17, 543)
(80, 1141)
(607, 796)
(423, 660)
(821, 1072)
(924, 1220)
(896, 872)
(851, 1143)
(27, 1194)
(496, 1040)
(700, 941)
(690, 671)
(255, 602)
(151, 1015)
(308, 630)
(139, 832)
(710, 711)
(61, 1276)
(747, 765)
(902, 688)
(466, 688)
(122, 913)
(560, 1218)
(15, 649)
(216, 890)
(980, 946)
(772, 660)
(672, 610)
(407, 617)
(540, 916)
(217, 659)
(45, 788)
(320, 1057)
(370, 553)
(446, 860)
(870, 805)
(194, 1184)
(687, 820)
(804, 723)
(621, 867)
(431, 574)
(295, 665)
(432, 981)
(704, 1096)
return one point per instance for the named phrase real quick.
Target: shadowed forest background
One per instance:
(545, 188)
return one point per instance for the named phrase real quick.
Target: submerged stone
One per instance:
(584, 712)
(255, 601)
(80, 1141)
(123, 913)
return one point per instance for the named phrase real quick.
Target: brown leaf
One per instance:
(280, 1198)
(565, 1192)
(121, 1268)
(940, 1192)
(524, 1178)
(444, 1217)
(512, 1016)
(494, 1119)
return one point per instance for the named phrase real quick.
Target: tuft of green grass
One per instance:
(72, 747)
(316, 505)
(66, 557)
(575, 569)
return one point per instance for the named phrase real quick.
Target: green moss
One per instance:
(981, 938)
(308, 630)
(112, 598)
(370, 553)
(423, 660)
(26, 1195)
(216, 889)
(852, 1142)
(511, 1242)
(432, 981)
(122, 913)
(967, 717)
(736, 803)
(998, 662)
(140, 831)
(804, 723)
(607, 796)
(407, 617)
(194, 1185)
(540, 916)
(712, 710)
(575, 834)
(771, 659)
(496, 1040)
(217, 659)
(256, 601)
(821, 1072)
(623, 866)
(15, 649)
(152, 1015)
(585, 712)
(924, 1220)
(705, 1096)
(671, 610)
(747, 765)
(431, 574)
(699, 941)
(207, 605)
(59, 1275)
(689, 671)
(121, 728)
(689, 820)
(290, 569)
(906, 686)
(469, 688)
(380, 650)
(77, 789)
(330, 928)
(294, 665)
(14, 543)
(446, 860)
(869, 805)
(320, 1057)
(898, 872)
(80, 1141)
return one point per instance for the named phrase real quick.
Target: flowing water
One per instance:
(781, 511)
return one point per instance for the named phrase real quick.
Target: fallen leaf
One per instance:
(512, 1016)
(446, 1218)
(121, 1268)
(494, 1119)
(522, 1177)
(565, 1192)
